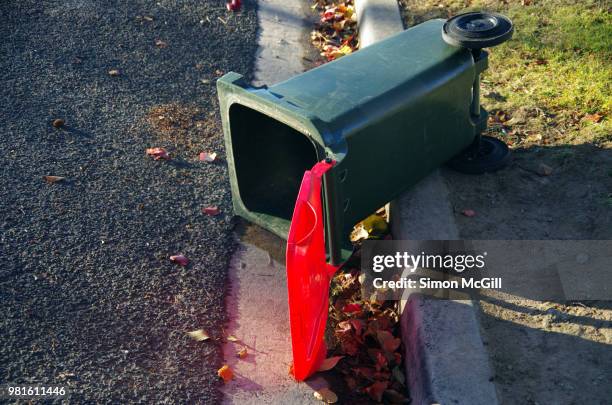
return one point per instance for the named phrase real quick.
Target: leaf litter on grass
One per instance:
(552, 80)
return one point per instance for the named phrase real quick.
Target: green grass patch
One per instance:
(551, 82)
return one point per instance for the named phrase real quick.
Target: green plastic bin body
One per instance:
(388, 114)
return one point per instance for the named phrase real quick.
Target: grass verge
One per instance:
(549, 85)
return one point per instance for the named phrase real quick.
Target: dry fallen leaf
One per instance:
(387, 341)
(225, 373)
(53, 179)
(158, 153)
(351, 308)
(208, 157)
(242, 353)
(376, 390)
(232, 338)
(469, 213)
(58, 123)
(544, 170)
(329, 363)
(379, 358)
(326, 395)
(541, 61)
(343, 327)
(212, 211)
(199, 335)
(180, 260)
(593, 117)
(290, 370)
(114, 72)
(233, 5)
(64, 375)
(357, 325)
(358, 233)
(395, 397)
(351, 382)
(160, 44)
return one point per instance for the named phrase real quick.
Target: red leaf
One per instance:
(233, 5)
(208, 157)
(351, 308)
(387, 341)
(349, 345)
(225, 373)
(379, 358)
(469, 213)
(376, 390)
(357, 325)
(212, 211)
(180, 260)
(328, 14)
(158, 153)
(350, 382)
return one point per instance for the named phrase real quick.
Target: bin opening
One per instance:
(270, 160)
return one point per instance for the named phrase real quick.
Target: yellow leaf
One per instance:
(375, 225)
(345, 49)
(241, 354)
(232, 338)
(198, 335)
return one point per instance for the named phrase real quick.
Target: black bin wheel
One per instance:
(489, 155)
(477, 30)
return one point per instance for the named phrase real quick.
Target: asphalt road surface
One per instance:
(88, 296)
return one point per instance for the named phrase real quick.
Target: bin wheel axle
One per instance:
(487, 155)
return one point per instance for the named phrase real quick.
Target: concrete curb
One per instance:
(256, 303)
(446, 362)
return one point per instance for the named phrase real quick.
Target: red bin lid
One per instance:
(308, 276)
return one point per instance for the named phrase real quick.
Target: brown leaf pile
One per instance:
(336, 32)
(366, 333)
